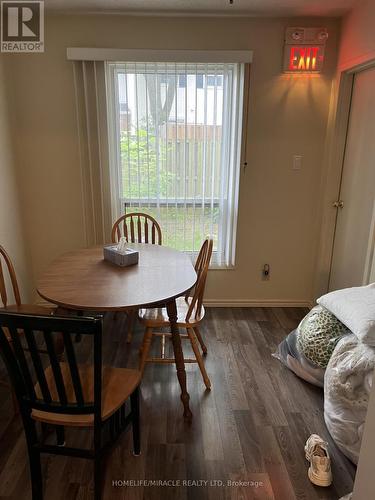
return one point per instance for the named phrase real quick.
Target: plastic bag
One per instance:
(288, 353)
(307, 350)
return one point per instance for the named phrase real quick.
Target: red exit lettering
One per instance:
(303, 58)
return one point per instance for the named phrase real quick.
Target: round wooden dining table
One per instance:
(82, 280)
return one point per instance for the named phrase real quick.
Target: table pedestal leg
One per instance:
(179, 358)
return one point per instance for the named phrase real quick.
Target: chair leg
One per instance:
(145, 349)
(34, 458)
(132, 315)
(162, 347)
(60, 435)
(117, 423)
(198, 356)
(97, 478)
(45, 429)
(200, 340)
(36, 475)
(112, 431)
(134, 403)
(16, 407)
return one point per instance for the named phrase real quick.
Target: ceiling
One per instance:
(207, 7)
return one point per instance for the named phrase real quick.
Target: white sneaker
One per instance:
(316, 452)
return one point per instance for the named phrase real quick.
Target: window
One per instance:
(213, 80)
(176, 155)
(182, 81)
(199, 81)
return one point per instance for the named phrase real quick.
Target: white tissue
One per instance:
(121, 246)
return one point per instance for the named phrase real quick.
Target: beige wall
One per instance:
(11, 234)
(287, 115)
(358, 39)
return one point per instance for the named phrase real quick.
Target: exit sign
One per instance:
(304, 50)
(303, 58)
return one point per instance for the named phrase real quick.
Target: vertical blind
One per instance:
(175, 139)
(91, 115)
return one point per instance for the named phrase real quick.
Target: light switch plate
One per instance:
(297, 162)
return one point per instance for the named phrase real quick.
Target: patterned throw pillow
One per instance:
(318, 334)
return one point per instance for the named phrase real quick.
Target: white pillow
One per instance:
(355, 307)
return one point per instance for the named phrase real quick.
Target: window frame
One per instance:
(236, 138)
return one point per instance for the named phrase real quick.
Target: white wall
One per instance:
(288, 115)
(11, 234)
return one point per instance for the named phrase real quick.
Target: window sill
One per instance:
(217, 267)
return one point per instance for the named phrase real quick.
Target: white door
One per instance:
(352, 262)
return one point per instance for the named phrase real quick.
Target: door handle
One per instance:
(338, 204)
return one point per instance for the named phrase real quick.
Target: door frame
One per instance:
(337, 132)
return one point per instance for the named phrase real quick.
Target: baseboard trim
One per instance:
(257, 303)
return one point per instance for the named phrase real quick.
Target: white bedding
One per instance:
(355, 308)
(347, 386)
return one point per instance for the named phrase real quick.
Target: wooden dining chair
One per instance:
(190, 313)
(136, 227)
(67, 394)
(7, 271)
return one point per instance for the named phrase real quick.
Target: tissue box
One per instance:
(127, 258)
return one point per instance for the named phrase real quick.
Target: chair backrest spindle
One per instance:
(38, 365)
(132, 237)
(74, 373)
(139, 227)
(125, 229)
(55, 364)
(21, 358)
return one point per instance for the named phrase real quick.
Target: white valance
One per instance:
(156, 55)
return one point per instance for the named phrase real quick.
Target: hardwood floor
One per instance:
(251, 427)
